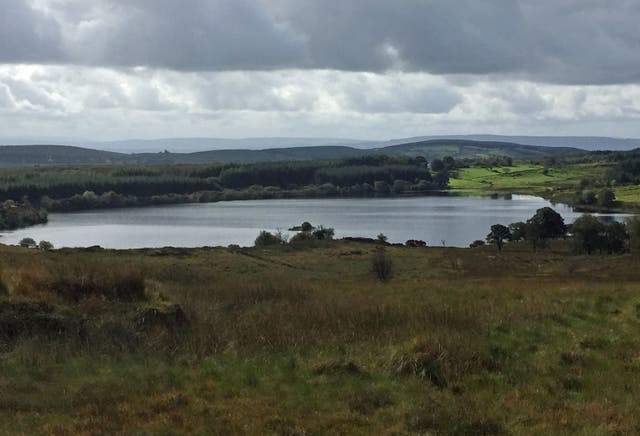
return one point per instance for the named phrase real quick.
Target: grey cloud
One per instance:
(568, 41)
(299, 91)
(465, 36)
(189, 35)
(401, 98)
(522, 100)
(258, 92)
(27, 35)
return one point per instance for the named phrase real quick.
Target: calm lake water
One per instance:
(455, 220)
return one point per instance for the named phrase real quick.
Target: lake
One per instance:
(452, 220)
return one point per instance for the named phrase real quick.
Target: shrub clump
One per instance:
(323, 233)
(309, 235)
(119, 285)
(32, 318)
(421, 361)
(27, 243)
(415, 243)
(45, 245)
(266, 239)
(382, 265)
(302, 238)
(162, 314)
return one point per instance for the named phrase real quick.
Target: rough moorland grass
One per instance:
(283, 341)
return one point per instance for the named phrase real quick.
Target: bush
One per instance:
(587, 198)
(616, 237)
(266, 239)
(477, 243)
(28, 243)
(382, 265)
(45, 246)
(323, 233)
(588, 235)
(424, 362)
(302, 238)
(415, 243)
(382, 238)
(606, 198)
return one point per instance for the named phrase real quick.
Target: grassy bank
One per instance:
(282, 341)
(556, 183)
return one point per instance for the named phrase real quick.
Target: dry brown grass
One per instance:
(308, 340)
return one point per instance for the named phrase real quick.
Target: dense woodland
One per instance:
(14, 215)
(81, 187)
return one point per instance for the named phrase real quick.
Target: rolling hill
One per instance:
(438, 148)
(29, 155)
(590, 143)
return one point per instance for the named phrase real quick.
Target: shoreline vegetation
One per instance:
(595, 182)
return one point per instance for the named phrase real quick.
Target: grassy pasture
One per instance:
(281, 341)
(557, 183)
(526, 178)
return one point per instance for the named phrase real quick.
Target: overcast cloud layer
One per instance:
(362, 68)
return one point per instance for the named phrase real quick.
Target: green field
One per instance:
(559, 183)
(525, 177)
(308, 341)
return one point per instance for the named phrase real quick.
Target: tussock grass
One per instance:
(274, 340)
(77, 282)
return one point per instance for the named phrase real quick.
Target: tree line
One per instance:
(78, 188)
(14, 215)
(587, 234)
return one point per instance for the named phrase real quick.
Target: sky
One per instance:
(369, 69)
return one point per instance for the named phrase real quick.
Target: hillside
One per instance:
(590, 143)
(456, 148)
(28, 155)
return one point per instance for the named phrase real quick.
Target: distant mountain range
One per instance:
(27, 155)
(191, 145)
(185, 145)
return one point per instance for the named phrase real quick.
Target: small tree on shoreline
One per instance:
(498, 235)
(28, 243)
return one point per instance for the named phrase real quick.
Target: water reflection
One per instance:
(456, 220)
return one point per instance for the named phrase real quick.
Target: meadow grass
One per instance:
(556, 183)
(310, 341)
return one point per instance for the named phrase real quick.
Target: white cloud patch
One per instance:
(107, 104)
